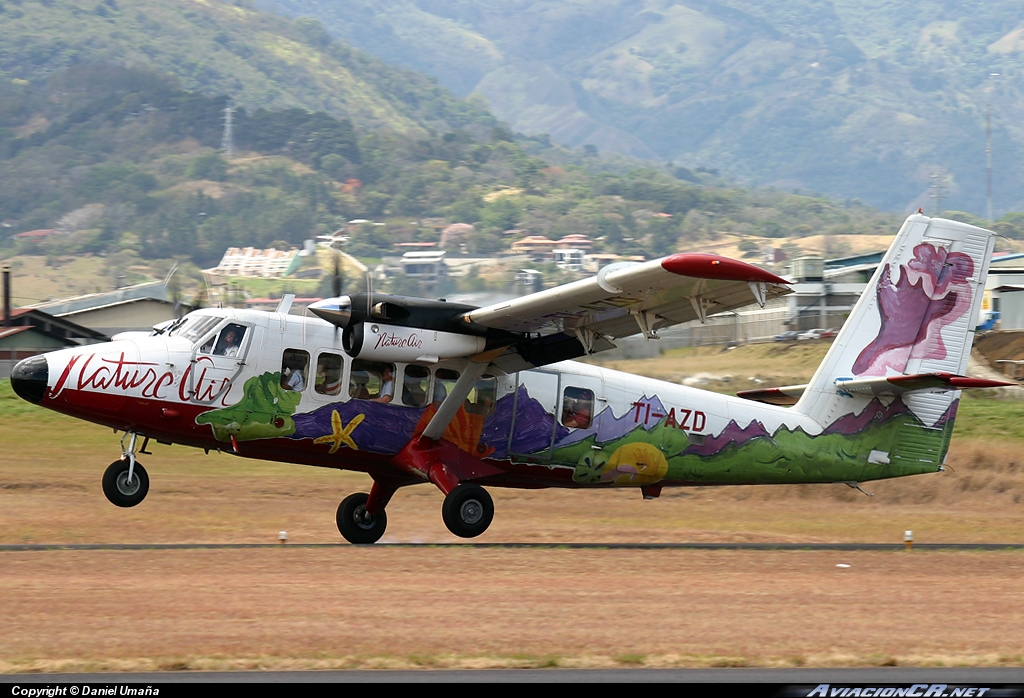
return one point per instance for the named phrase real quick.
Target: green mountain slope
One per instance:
(869, 99)
(260, 60)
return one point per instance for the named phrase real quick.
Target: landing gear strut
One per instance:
(126, 482)
(356, 524)
(467, 510)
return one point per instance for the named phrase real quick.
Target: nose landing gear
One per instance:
(123, 488)
(126, 482)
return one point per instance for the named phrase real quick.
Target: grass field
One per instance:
(339, 607)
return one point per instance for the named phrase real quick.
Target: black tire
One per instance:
(358, 527)
(117, 488)
(467, 510)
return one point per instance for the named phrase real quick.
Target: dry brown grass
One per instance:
(352, 607)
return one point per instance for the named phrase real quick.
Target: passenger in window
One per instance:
(328, 375)
(440, 393)
(357, 387)
(293, 369)
(481, 399)
(387, 388)
(577, 408)
(372, 380)
(292, 379)
(414, 386)
(444, 381)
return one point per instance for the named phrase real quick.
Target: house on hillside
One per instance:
(249, 261)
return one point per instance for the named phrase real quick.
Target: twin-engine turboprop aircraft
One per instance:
(412, 391)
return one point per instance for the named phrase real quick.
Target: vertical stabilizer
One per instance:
(917, 315)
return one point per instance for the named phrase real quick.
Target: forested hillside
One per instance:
(124, 160)
(870, 99)
(229, 48)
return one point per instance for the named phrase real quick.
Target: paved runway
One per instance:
(537, 546)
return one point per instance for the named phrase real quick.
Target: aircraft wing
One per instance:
(584, 316)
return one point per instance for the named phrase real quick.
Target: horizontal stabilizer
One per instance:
(785, 396)
(891, 385)
(896, 385)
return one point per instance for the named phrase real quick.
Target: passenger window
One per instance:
(372, 380)
(444, 381)
(294, 368)
(328, 374)
(481, 398)
(577, 408)
(414, 386)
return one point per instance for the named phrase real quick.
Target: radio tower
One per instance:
(227, 141)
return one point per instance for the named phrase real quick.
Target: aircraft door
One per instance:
(534, 417)
(217, 360)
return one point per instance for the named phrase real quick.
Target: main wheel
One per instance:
(117, 488)
(467, 510)
(357, 525)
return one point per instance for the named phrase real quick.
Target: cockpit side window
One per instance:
(228, 342)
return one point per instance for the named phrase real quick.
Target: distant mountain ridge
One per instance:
(880, 100)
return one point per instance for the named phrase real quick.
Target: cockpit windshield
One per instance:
(193, 327)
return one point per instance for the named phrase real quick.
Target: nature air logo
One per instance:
(393, 340)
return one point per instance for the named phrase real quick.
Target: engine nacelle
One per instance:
(380, 342)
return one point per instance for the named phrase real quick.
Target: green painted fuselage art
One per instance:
(264, 412)
(787, 456)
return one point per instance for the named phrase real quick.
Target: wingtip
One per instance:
(702, 265)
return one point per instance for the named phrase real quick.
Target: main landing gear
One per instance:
(358, 525)
(126, 482)
(467, 512)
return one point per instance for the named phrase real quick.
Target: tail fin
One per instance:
(917, 316)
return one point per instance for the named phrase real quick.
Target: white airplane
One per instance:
(414, 391)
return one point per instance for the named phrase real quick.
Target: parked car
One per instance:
(789, 336)
(812, 334)
(829, 333)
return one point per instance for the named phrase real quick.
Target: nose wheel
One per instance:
(124, 485)
(467, 510)
(356, 524)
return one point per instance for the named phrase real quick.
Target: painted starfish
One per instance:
(340, 434)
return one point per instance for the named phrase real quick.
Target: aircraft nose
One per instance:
(29, 377)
